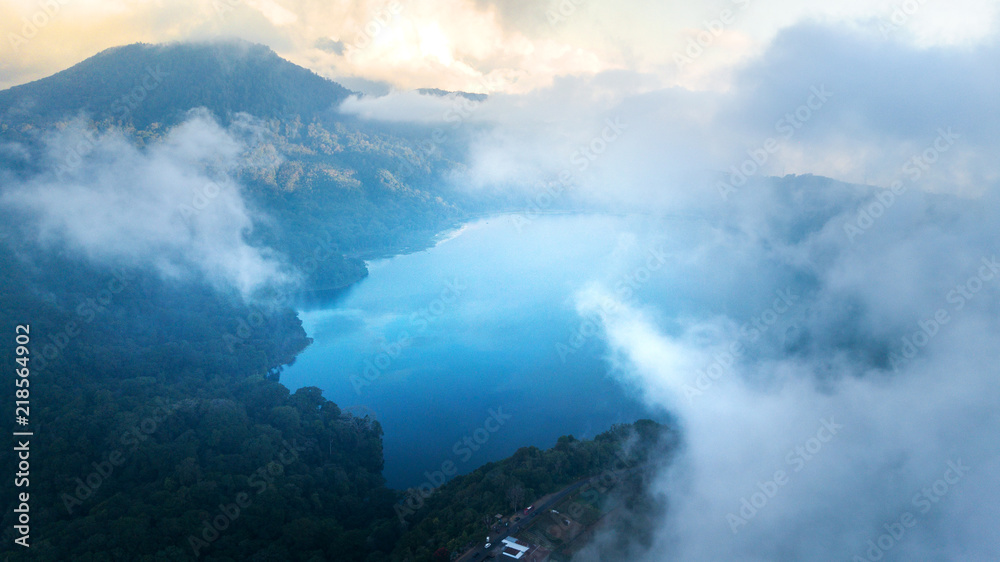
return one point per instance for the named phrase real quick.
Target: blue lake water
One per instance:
(434, 343)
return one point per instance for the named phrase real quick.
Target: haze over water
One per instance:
(431, 342)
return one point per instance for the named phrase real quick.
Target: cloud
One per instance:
(807, 104)
(902, 414)
(769, 326)
(410, 107)
(466, 44)
(173, 205)
(850, 306)
(330, 45)
(796, 304)
(789, 307)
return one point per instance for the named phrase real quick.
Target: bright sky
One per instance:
(473, 45)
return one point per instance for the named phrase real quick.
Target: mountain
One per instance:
(442, 93)
(141, 84)
(169, 435)
(369, 189)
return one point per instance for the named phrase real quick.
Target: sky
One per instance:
(511, 46)
(708, 81)
(834, 371)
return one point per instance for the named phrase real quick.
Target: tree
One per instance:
(515, 493)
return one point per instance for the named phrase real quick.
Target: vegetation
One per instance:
(152, 379)
(460, 513)
(143, 84)
(162, 430)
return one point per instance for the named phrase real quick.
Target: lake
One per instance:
(465, 352)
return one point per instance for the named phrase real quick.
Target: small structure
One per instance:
(514, 549)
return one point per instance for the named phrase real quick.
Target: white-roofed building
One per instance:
(514, 549)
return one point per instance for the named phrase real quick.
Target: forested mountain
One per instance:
(452, 517)
(142, 84)
(320, 175)
(152, 410)
(162, 431)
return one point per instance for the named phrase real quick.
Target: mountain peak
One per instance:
(142, 83)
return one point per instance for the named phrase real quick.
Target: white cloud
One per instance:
(466, 44)
(834, 347)
(410, 107)
(172, 205)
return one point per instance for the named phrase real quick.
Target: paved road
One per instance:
(480, 552)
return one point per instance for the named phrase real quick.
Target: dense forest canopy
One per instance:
(163, 431)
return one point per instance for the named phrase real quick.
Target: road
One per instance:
(479, 553)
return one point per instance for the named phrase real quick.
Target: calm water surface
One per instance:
(456, 349)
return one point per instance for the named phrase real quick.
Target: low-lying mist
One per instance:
(829, 349)
(173, 204)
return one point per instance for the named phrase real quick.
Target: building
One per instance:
(514, 549)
